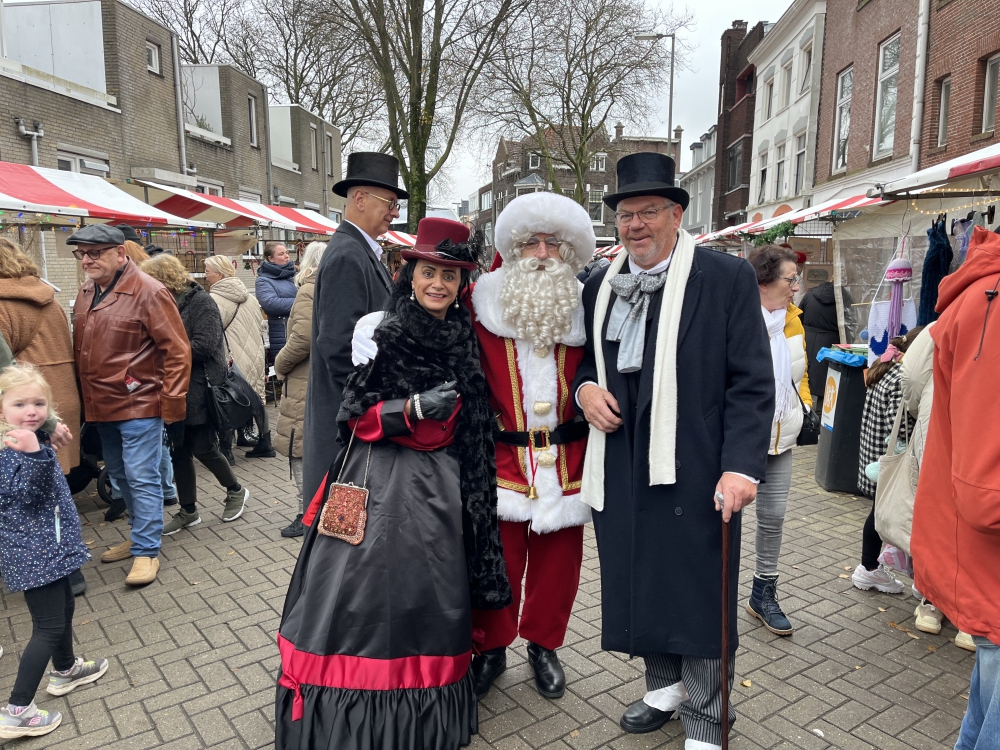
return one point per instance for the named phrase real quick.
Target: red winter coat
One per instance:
(956, 516)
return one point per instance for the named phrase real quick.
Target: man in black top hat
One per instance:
(351, 282)
(677, 385)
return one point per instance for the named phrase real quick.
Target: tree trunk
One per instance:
(416, 206)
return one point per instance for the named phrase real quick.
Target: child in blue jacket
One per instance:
(40, 545)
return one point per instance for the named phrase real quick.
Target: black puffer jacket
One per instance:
(203, 325)
(819, 318)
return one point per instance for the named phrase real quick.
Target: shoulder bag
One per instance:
(346, 510)
(809, 434)
(896, 488)
(228, 407)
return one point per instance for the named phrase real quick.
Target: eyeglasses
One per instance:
(792, 280)
(92, 254)
(551, 243)
(393, 205)
(647, 215)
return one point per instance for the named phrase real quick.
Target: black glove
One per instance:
(175, 433)
(437, 403)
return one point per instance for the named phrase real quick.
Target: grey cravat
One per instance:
(627, 322)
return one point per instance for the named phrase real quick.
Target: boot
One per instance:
(294, 529)
(549, 676)
(242, 442)
(263, 449)
(486, 667)
(764, 606)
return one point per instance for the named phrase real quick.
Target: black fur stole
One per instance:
(417, 352)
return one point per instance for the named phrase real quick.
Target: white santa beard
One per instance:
(539, 303)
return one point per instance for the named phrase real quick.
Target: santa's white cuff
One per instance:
(668, 698)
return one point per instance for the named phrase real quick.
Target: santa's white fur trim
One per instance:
(551, 214)
(489, 310)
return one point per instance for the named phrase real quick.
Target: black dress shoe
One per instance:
(640, 718)
(549, 676)
(294, 529)
(116, 510)
(486, 667)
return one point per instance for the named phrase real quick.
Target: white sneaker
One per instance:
(880, 579)
(928, 617)
(964, 640)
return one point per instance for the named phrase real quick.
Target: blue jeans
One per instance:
(166, 474)
(132, 452)
(981, 725)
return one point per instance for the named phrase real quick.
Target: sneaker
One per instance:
(81, 673)
(928, 617)
(235, 503)
(880, 579)
(182, 520)
(30, 722)
(964, 640)
(295, 528)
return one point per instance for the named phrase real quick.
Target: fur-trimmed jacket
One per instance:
(418, 352)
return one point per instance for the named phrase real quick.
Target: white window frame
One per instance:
(314, 147)
(779, 170)
(990, 93)
(799, 180)
(153, 57)
(252, 115)
(762, 182)
(329, 154)
(944, 104)
(335, 215)
(534, 161)
(786, 85)
(593, 190)
(488, 233)
(884, 141)
(598, 163)
(206, 188)
(807, 63)
(486, 200)
(82, 164)
(769, 99)
(843, 107)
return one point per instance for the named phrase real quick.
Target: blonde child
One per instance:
(40, 546)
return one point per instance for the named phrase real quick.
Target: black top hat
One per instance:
(370, 168)
(647, 173)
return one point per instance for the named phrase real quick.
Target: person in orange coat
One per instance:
(956, 515)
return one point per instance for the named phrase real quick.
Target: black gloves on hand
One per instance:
(437, 403)
(175, 433)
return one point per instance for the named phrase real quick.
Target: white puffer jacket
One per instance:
(785, 433)
(245, 328)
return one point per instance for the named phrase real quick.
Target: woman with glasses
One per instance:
(778, 283)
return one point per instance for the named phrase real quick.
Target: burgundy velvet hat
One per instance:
(444, 242)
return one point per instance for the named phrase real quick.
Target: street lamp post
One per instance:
(670, 105)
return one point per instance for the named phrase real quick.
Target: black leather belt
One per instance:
(568, 432)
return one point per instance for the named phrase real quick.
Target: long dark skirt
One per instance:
(376, 639)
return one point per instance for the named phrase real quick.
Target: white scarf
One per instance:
(663, 414)
(781, 359)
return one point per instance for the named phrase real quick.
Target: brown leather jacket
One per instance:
(132, 354)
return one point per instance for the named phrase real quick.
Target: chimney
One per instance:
(676, 144)
(619, 131)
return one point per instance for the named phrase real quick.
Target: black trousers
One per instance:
(51, 607)
(871, 542)
(199, 442)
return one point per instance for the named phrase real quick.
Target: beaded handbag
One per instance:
(346, 510)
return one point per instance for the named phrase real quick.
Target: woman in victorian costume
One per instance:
(376, 634)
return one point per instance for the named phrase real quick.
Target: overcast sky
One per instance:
(696, 100)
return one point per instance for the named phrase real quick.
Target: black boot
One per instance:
(242, 442)
(486, 667)
(263, 449)
(640, 718)
(764, 606)
(295, 528)
(115, 510)
(549, 676)
(78, 583)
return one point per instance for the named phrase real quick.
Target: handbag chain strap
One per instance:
(347, 453)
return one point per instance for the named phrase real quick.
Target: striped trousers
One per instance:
(701, 713)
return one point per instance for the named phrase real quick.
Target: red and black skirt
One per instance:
(376, 639)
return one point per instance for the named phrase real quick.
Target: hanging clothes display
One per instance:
(937, 263)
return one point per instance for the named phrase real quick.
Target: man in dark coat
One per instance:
(819, 318)
(350, 283)
(678, 387)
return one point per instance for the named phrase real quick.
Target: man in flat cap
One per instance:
(677, 384)
(133, 360)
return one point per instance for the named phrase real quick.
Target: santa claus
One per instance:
(529, 321)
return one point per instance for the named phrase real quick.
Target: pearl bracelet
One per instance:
(416, 406)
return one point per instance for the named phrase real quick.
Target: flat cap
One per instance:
(97, 234)
(130, 234)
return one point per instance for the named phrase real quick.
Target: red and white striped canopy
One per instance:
(53, 192)
(398, 238)
(980, 162)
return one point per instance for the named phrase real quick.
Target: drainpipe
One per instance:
(923, 25)
(178, 94)
(267, 141)
(34, 135)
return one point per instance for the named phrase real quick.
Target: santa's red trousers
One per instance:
(553, 565)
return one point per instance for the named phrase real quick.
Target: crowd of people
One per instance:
(451, 430)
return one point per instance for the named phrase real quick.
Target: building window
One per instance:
(842, 123)
(534, 161)
(990, 96)
(735, 165)
(779, 171)
(83, 164)
(598, 162)
(807, 69)
(885, 105)
(313, 147)
(786, 85)
(944, 102)
(597, 206)
(152, 57)
(769, 99)
(329, 154)
(800, 164)
(485, 200)
(206, 189)
(762, 189)
(252, 112)
(488, 233)
(335, 216)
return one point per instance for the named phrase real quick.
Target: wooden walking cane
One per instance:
(725, 625)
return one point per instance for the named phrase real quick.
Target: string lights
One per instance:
(986, 199)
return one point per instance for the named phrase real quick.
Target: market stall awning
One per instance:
(52, 192)
(306, 219)
(398, 238)
(982, 163)
(726, 232)
(819, 211)
(234, 214)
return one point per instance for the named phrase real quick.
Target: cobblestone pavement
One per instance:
(193, 656)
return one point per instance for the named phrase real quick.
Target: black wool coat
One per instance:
(350, 283)
(203, 325)
(660, 547)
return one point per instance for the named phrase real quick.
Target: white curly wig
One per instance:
(551, 214)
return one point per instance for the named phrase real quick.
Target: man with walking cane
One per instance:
(678, 387)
